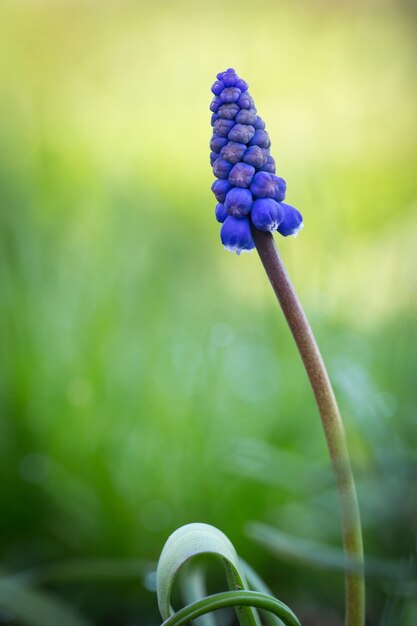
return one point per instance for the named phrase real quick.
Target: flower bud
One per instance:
(241, 133)
(221, 213)
(238, 202)
(215, 104)
(230, 94)
(222, 168)
(292, 222)
(222, 127)
(269, 165)
(245, 101)
(236, 235)
(228, 111)
(241, 175)
(281, 189)
(246, 116)
(233, 152)
(267, 214)
(217, 143)
(220, 187)
(264, 185)
(261, 139)
(241, 84)
(255, 156)
(217, 87)
(229, 78)
(259, 124)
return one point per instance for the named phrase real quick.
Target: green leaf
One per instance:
(186, 543)
(233, 598)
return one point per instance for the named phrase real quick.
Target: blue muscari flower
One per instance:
(255, 156)
(242, 133)
(217, 143)
(222, 168)
(238, 202)
(230, 94)
(236, 235)
(267, 214)
(221, 213)
(233, 152)
(241, 175)
(264, 185)
(247, 190)
(228, 111)
(220, 188)
(222, 127)
(292, 222)
(269, 165)
(281, 189)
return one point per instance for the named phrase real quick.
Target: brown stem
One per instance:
(330, 417)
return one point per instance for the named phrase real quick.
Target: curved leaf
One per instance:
(184, 544)
(233, 598)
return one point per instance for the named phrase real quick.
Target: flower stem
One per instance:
(331, 420)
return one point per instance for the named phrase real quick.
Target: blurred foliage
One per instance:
(147, 377)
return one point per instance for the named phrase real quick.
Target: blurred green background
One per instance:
(147, 376)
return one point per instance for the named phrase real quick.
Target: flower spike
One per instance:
(249, 193)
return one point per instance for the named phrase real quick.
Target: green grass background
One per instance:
(147, 376)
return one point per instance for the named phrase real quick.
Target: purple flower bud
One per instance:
(213, 157)
(292, 222)
(246, 116)
(281, 189)
(230, 94)
(245, 101)
(242, 84)
(267, 214)
(259, 124)
(255, 156)
(242, 133)
(221, 168)
(229, 70)
(214, 117)
(215, 104)
(217, 87)
(238, 202)
(269, 165)
(233, 152)
(236, 235)
(241, 175)
(221, 213)
(217, 143)
(228, 111)
(220, 188)
(264, 185)
(223, 127)
(261, 139)
(230, 78)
